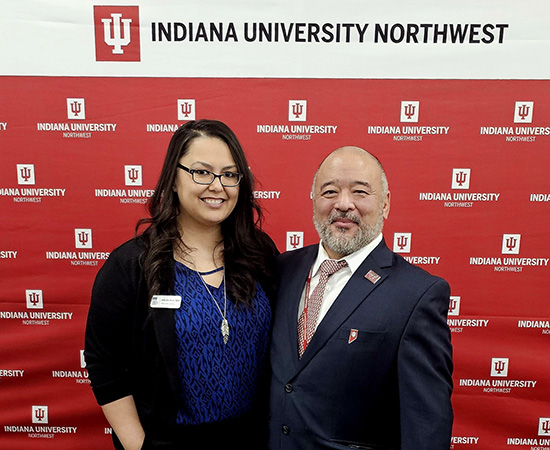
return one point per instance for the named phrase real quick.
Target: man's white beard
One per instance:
(344, 245)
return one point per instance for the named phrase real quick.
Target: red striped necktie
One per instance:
(312, 305)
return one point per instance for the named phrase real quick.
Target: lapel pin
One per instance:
(353, 333)
(372, 276)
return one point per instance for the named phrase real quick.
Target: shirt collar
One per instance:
(354, 260)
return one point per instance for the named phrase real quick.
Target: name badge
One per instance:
(166, 301)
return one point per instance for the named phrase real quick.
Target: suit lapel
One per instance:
(357, 290)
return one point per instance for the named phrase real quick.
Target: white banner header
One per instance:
(280, 39)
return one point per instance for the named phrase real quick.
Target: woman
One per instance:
(177, 331)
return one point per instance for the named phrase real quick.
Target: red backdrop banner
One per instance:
(467, 164)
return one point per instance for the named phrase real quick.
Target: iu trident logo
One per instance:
(402, 242)
(294, 240)
(297, 110)
(510, 244)
(499, 367)
(76, 109)
(113, 33)
(35, 299)
(409, 111)
(83, 237)
(544, 426)
(117, 33)
(454, 305)
(39, 414)
(132, 175)
(523, 112)
(186, 109)
(461, 179)
(25, 173)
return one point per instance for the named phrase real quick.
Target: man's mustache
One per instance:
(347, 215)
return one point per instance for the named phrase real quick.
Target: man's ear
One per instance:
(386, 206)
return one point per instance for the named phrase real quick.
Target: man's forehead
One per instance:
(355, 168)
(344, 182)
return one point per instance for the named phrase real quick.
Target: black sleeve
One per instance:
(108, 339)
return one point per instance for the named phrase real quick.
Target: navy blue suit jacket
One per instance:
(390, 388)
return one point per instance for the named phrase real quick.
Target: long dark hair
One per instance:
(248, 252)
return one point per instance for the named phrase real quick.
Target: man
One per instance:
(370, 366)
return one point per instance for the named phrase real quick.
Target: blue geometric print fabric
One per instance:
(218, 381)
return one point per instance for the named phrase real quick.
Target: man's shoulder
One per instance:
(413, 272)
(293, 256)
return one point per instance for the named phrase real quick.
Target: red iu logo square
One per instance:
(116, 33)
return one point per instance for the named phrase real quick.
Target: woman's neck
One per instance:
(203, 249)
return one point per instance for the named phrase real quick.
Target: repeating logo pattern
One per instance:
(39, 303)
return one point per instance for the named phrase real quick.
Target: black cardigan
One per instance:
(124, 355)
(130, 348)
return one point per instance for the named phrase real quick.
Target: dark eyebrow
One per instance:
(209, 167)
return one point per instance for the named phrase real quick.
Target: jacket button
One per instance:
(288, 388)
(286, 429)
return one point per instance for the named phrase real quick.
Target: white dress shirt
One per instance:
(338, 280)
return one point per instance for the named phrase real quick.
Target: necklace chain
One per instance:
(224, 327)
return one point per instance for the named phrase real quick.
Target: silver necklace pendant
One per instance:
(224, 325)
(225, 330)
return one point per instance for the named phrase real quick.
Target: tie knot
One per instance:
(330, 266)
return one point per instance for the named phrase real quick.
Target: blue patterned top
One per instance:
(218, 381)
